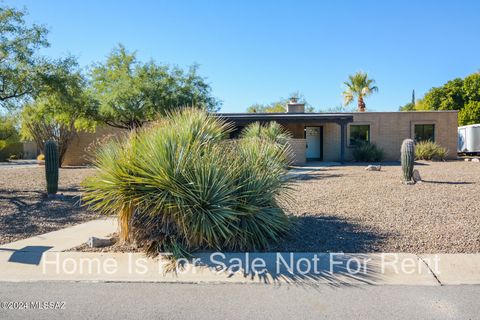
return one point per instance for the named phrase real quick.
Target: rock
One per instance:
(409, 183)
(94, 242)
(476, 160)
(373, 168)
(467, 159)
(416, 176)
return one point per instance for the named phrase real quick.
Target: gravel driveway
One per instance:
(24, 210)
(346, 208)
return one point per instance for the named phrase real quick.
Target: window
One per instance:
(359, 133)
(424, 132)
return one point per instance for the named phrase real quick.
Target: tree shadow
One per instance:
(337, 246)
(329, 234)
(27, 255)
(313, 176)
(27, 213)
(447, 182)
(294, 268)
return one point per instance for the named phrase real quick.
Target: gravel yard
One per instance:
(348, 209)
(24, 209)
(342, 208)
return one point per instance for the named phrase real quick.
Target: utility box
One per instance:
(469, 139)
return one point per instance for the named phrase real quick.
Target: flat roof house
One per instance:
(329, 136)
(332, 136)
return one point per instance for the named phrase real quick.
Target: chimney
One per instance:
(293, 106)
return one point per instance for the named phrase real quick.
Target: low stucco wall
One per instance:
(298, 149)
(78, 151)
(30, 150)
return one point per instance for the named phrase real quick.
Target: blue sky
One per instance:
(258, 51)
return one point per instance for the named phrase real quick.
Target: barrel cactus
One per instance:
(51, 167)
(408, 157)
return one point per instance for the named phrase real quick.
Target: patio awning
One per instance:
(342, 119)
(319, 117)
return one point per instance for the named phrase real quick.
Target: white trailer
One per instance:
(469, 139)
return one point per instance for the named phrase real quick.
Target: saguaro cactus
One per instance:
(407, 157)
(51, 167)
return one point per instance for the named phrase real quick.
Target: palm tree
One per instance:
(360, 86)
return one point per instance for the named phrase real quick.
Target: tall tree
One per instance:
(131, 93)
(457, 94)
(280, 105)
(61, 110)
(8, 130)
(21, 68)
(358, 86)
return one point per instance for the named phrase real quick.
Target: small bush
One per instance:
(41, 157)
(428, 150)
(271, 132)
(180, 186)
(367, 152)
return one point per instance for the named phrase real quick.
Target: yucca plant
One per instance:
(429, 150)
(271, 131)
(179, 186)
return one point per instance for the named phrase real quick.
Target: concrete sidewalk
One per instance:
(67, 238)
(42, 258)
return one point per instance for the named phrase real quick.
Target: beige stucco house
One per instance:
(329, 136)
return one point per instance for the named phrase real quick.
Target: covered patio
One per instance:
(315, 136)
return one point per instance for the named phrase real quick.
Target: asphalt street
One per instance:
(74, 300)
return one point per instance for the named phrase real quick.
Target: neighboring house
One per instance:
(331, 136)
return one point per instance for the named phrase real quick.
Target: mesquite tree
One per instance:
(131, 93)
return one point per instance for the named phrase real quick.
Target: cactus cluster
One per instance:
(51, 167)
(407, 157)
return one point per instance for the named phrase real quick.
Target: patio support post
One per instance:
(343, 134)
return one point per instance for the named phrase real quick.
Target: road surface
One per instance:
(237, 301)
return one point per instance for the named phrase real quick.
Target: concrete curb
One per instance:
(334, 269)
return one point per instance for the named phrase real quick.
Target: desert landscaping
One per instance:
(339, 208)
(349, 209)
(24, 209)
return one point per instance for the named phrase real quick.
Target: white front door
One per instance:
(312, 135)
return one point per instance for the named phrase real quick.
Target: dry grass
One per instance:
(24, 209)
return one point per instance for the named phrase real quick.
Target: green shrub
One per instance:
(367, 152)
(179, 186)
(271, 131)
(428, 150)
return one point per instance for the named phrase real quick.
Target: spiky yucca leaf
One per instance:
(178, 186)
(271, 131)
